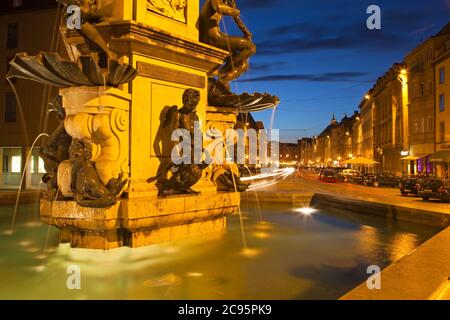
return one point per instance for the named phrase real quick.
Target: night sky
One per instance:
(319, 57)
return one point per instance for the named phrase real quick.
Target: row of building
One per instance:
(403, 122)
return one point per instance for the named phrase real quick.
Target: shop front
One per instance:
(442, 162)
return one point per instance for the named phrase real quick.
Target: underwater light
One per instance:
(306, 211)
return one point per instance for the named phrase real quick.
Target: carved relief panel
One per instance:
(174, 9)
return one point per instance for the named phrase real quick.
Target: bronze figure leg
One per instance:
(89, 31)
(241, 50)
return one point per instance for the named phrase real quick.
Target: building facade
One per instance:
(442, 131)
(357, 136)
(26, 26)
(421, 83)
(307, 152)
(390, 113)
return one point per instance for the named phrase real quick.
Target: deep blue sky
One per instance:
(319, 57)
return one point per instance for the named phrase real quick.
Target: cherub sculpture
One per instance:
(183, 176)
(86, 185)
(56, 149)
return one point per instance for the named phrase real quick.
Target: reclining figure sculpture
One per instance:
(86, 185)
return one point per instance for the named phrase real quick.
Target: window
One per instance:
(416, 126)
(10, 108)
(16, 164)
(37, 165)
(422, 89)
(430, 124)
(17, 3)
(430, 87)
(442, 131)
(422, 125)
(442, 75)
(5, 164)
(442, 103)
(12, 36)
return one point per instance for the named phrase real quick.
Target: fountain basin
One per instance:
(139, 222)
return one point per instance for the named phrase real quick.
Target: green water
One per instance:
(290, 256)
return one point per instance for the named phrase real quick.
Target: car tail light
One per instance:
(401, 185)
(418, 187)
(441, 190)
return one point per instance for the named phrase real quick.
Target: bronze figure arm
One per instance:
(224, 9)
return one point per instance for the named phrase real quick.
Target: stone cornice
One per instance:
(128, 37)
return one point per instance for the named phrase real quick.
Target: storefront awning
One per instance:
(410, 158)
(441, 156)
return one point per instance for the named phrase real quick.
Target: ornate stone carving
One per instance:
(174, 9)
(101, 118)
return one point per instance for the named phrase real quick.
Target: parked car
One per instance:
(383, 180)
(328, 175)
(410, 186)
(348, 175)
(361, 178)
(435, 189)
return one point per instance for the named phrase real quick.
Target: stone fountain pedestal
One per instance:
(123, 125)
(139, 222)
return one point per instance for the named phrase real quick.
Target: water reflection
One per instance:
(288, 257)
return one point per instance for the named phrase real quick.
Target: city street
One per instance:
(308, 182)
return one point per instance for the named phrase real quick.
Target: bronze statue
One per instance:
(89, 17)
(185, 175)
(97, 64)
(89, 191)
(226, 180)
(240, 48)
(56, 149)
(183, 178)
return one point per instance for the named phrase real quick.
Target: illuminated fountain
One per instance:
(137, 72)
